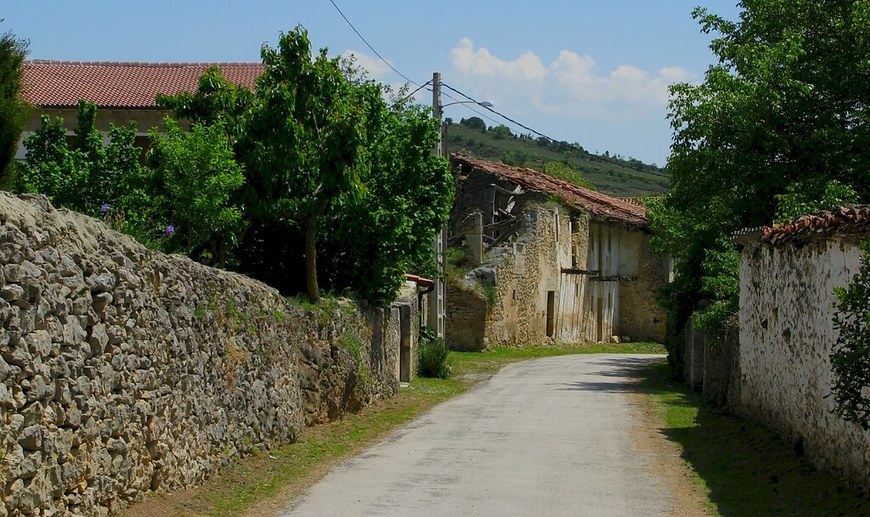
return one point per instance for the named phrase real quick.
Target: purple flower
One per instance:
(169, 230)
(105, 207)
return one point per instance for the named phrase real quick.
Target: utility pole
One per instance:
(437, 306)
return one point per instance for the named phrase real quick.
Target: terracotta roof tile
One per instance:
(60, 84)
(598, 204)
(843, 220)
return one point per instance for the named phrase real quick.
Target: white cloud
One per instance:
(481, 62)
(570, 84)
(376, 68)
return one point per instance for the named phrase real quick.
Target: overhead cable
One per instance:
(512, 121)
(371, 47)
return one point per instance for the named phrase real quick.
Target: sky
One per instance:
(587, 71)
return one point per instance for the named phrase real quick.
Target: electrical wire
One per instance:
(373, 48)
(469, 106)
(406, 97)
(527, 128)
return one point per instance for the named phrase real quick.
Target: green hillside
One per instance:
(610, 175)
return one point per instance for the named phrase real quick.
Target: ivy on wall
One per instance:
(850, 359)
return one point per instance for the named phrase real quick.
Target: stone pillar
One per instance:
(474, 236)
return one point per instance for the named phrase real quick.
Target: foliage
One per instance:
(13, 108)
(194, 178)
(432, 356)
(786, 104)
(344, 172)
(217, 100)
(474, 123)
(610, 175)
(88, 175)
(565, 172)
(812, 196)
(388, 229)
(850, 359)
(306, 140)
(501, 132)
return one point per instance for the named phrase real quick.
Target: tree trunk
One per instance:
(311, 258)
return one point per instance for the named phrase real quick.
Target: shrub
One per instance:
(432, 357)
(850, 360)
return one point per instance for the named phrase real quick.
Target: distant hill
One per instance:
(611, 175)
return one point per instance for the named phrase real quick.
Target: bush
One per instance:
(432, 357)
(850, 360)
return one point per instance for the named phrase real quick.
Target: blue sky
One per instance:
(583, 71)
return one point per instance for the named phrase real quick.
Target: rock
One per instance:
(73, 333)
(11, 292)
(38, 343)
(111, 383)
(101, 301)
(102, 283)
(31, 438)
(614, 339)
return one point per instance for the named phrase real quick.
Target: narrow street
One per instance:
(554, 436)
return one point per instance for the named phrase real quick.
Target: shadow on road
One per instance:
(747, 469)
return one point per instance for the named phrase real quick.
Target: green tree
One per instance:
(474, 123)
(88, 174)
(501, 132)
(787, 104)
(324, 154)
(216, 100)
(13, 108)
(306, 138)
(195, 178)
(388, 230)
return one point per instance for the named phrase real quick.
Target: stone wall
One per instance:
(124, 370)
(640, 316)
(786, 338)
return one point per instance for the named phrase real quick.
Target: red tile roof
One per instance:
(843, 220)
(60, 84)
(598, 204)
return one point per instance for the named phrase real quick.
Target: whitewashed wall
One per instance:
(786, 338)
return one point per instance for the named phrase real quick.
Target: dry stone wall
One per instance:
(786, 338)
(124, 370)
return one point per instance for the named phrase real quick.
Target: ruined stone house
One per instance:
(537, 259)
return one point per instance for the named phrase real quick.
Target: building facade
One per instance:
(537, 259)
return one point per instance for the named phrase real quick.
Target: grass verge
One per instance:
(263, 482)
(745, 468)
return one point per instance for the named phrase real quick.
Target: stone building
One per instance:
(123, 92)
(536, 259)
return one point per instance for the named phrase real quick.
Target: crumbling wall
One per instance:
(640, 316)
(786, 339)
(124, 370)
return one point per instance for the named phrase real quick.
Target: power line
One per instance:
(469, 106)
(371, 47)
(427, 83)
(602, 158)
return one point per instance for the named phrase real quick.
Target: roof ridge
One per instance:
(141, 63)
(598, 203)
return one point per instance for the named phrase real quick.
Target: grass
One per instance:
(745, 468)
(286, 471)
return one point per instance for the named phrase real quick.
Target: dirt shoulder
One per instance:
(665, 460)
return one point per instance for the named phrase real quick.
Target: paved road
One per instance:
(546, 437)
